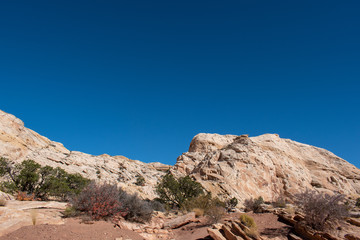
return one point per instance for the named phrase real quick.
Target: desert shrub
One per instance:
(108, 201)
(247, 221)
(252, 232)
(176, 192)
(214, 214)
(42, 182)
(254, 205)
(321, 210)
(211, 207)
(137, 210)
(156, 205)
(233, 202)
(140, 180)
(357, 203)
(70, 211)
(279, 203)
(99, 201)
(2, 201)
(198, 212)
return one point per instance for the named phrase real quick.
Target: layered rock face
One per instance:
(267, 166)
(226, 165)
(19, 143)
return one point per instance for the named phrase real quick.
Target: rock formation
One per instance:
(267, 166)
(19, 143)
(226, 165)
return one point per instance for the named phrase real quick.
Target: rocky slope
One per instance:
(226, 165)
(267, 166)
(19, 143)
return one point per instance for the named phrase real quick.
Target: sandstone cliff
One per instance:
(267, 166)
(19, 143)
(226, 165)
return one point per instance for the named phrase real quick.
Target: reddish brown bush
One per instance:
(99, 201)
(109, 201)
(23, 196)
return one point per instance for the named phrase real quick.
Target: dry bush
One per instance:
(99, 201)
(33, 215)
(213, 208)
(254, 205)
(2, 201)
(247, 221)
(107, 201)
(214, 214)
(198, 212)
(252, 232)
(321, 210)
(250, 223)
(279, 203)
(23, 196)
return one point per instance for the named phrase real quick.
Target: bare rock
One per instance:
(267, 166)
(351, 237)
(215, 234)
(180, 221)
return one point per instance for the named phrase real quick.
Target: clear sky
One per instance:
(141, 78)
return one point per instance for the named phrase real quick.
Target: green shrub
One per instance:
(247, 221)
(254, 205)
(321, 210)
(176, 192)
(43, 182)
(70, 212)
(233, 202)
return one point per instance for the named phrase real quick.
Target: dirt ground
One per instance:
(73, 229)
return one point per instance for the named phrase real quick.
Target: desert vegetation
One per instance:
(254, 205)
(110, 202)
(185, 194)
(29, 180)
(322, 211)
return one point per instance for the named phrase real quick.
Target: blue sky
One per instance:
(141, 78)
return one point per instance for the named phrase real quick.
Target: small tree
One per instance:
(176, 192)
(29, 177)
(322, 210)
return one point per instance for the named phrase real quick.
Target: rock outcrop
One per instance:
(19, 143)
(226, 165)
(267, 166)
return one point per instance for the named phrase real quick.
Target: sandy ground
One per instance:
(73, 229)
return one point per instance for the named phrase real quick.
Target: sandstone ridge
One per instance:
(226, 165)
(266, 165)
(19, 143)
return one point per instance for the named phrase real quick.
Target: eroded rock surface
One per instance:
(267, 166)
(226, 165)
(19, 143)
